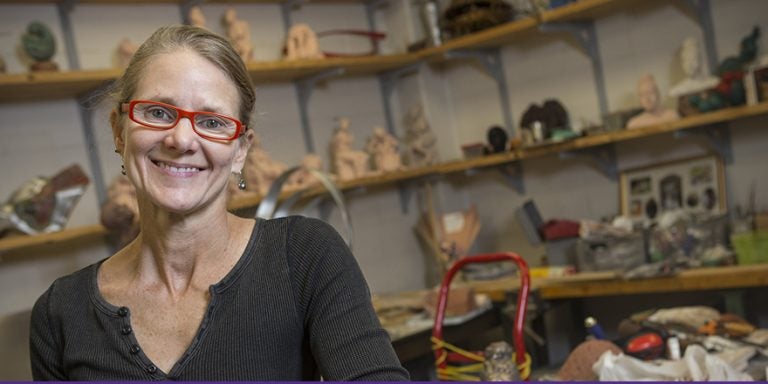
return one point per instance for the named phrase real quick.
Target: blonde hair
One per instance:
(207, 44)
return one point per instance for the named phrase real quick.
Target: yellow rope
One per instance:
(462, 373)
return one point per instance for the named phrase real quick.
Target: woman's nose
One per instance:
(182, 137)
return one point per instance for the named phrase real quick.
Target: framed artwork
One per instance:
(695, 184)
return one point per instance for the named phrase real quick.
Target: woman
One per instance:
(202, 294)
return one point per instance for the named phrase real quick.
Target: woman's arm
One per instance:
(44, 346)
(345, 336)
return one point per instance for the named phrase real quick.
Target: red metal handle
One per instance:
(522, 299)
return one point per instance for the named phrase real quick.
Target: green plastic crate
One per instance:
(751, 247)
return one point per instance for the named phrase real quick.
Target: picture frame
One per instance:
(695, 184)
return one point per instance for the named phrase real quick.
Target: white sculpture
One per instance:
(302, 43)
(239, 33)
(650, 100)
(196, 17)
(347, 162)
(696, 79)
(384, 151)
(419, 139)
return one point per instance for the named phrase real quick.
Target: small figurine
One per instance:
(260, 169)
(696, 77)
(303, 178)
(125, 51)
(383, 150)
(196, 17)
(347, 162)
(419, 139)
(239, 33)
(653, 111)
(497, 140)
(499, 364)
(302, 43)
(120, 213)
(40, 45)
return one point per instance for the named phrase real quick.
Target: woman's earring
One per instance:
(240, 181)
(122, 169)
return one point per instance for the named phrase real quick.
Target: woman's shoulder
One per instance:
(68, 291)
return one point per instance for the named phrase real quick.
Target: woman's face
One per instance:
(176, 169)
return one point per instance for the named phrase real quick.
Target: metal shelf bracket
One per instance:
(492, 61)
(718, 135)
(304, 88)
(604, 158)
(513, 175)
(585, 34)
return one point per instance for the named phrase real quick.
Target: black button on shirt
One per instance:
(122, 312)
(126, 330)
(135, 349)
(151, 369)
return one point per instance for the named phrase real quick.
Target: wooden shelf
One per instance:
(594, 284)
(52, 85)
(24, 241)
(284, 71)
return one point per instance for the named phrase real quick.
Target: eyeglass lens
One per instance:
(164, 116)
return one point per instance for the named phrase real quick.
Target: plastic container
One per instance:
(750, 247)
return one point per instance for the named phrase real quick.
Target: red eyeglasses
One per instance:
(209, 125)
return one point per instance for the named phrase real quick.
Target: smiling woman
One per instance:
(202, 294)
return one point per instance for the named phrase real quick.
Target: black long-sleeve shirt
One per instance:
(294, 307)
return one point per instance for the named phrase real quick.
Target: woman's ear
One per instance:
(117, 131)
(244, 144)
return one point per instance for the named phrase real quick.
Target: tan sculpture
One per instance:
(239, 33)
(419, 139)
(303, 178)
(260, 169)
(383, 150)
(125, 51)
(650, 100)
(696, 79)
(348, 163)
(302, 43)
(196, 17)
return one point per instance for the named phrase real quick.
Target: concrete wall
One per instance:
(38, 138)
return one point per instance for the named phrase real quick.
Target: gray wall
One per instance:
(38, 138)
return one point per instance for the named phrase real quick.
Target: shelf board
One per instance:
(720, 116)
(283, 70)
(52, 85)
(24, 241)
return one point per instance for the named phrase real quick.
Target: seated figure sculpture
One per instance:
(384, 152)
(348, 163)
(260, 169)
(650, 100)
(420, 141)
(239, 33)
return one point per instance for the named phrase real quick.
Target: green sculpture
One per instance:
(40, 45)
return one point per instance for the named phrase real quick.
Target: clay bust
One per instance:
(653, 111)
(239, 33)
(125, 51)
(347, 162)
(383, 149)
(40, 45)
(302, 43)
(260, 169)
(196, 17)
(419, 138)
(696, 78)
